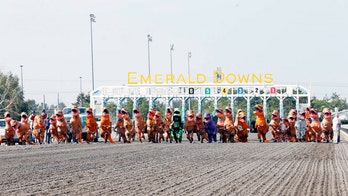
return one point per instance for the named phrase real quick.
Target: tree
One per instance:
(272, 104)
(82, 100)
(337, 102)
(160, 107)
(32, 106)
(330, 102)
(143, 106)
(241, 103)
(11, 95)
(208, 106)
(128, 105)
(112, 110)
(288, 104)
(61, 105)
(224, 102)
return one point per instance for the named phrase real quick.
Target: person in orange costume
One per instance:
(260, 124)
(326, 125)
(230, 130)
(39, 128)
(241, 126)
(76, 125)
(128, 125)
(150, 124)
(91, 125)
(201, 132)
(23, 129)
(308, 120)
(14, 124)
(53, 127)
(220, 124)
(139, 124)
(62, 127)
(275, 127)
(308, 113)
(119, 127)
(285, 129)
(166, 124)
(315, 126)
(9, 130)
(105, 126)
(292, 117)
(190, 125)
(159, 127)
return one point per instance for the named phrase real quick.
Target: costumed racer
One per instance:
(176, 126)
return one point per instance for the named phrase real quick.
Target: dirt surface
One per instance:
(175, 169)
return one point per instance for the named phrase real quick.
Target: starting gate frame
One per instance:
(100, 96)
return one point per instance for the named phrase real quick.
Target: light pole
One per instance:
(81, 96)
(189, 55)
(80, 85)
(92, 19)
(149, 39)
(22, 77)
(171, 58)
(44, 103)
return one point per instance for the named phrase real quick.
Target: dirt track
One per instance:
(175, 169)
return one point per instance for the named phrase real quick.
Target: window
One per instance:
(66, 111)
(2, 123)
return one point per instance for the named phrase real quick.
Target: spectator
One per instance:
(336, 125)
(48, 132)
(31, 123)
(31, 118)
(44, 114)
(301, 126)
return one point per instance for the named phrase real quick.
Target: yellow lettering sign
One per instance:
(201, 78)
(218, 78)
(132, 77)
(145, 80)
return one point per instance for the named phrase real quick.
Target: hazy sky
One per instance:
(299, 42)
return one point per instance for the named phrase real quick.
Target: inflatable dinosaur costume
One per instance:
(176, 126)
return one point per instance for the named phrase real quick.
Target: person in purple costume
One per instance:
(210, 127)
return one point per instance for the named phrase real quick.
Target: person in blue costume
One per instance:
(177, 126)
(210, 127)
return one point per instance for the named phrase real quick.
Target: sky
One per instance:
(299, 42)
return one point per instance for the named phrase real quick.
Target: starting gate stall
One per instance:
(100, 96)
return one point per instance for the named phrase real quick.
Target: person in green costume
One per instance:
(176, 126)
